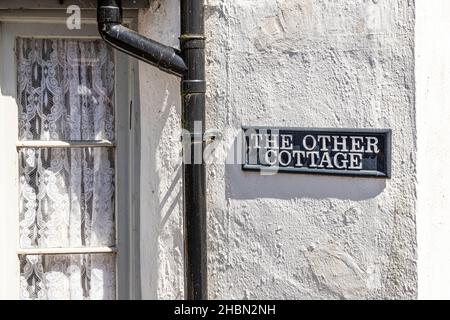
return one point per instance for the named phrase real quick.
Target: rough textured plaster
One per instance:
(346, 63)
(322, 64)
(161, 206)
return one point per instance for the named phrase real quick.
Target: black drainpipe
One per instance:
(193, 89)
(189, 64)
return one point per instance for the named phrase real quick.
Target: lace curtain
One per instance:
(65, 91)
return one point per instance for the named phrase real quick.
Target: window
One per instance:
(66, 100)
(65, 94)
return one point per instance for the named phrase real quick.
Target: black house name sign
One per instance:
(350, 152)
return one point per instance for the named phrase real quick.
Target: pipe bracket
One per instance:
(107, 14)
(196, 138)
(192, 36)
(193, 86)
(192, 41)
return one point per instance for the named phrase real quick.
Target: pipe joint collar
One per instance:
(193, 86)
(107, 14)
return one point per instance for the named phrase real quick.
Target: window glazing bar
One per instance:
(62, 251)
(66, 144)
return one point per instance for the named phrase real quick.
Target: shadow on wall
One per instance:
(161, 191)
(251, 185)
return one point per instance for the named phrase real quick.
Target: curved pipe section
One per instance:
(190, 65)
(109, 17)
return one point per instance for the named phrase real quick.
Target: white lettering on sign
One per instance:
(286, 142)
(309, 142)
(341, 152)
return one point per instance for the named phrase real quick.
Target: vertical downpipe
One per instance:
(191, 67)
(193, 88)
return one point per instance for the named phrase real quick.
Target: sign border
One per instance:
(332, 172)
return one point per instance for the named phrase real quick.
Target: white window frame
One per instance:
(52, 24)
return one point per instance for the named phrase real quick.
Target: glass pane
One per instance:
(65, 89)
(66, 197)
(78, 276)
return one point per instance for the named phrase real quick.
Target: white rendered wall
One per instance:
(320, 64)
(161, 206)
(433, 119)
(299, 63)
